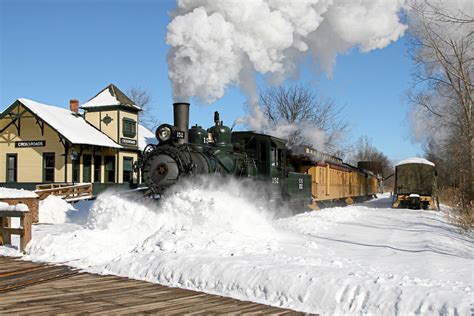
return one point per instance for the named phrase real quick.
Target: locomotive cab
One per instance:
(270, 154)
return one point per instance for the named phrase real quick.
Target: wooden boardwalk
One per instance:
(30, 288)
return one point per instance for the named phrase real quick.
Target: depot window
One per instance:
(127, 169)
(109, 163)
(48, 167)
(86, 168)
(75, 170)
(97, 165)
(129, 127)
(12, 167)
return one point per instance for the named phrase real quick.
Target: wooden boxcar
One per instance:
(332, 179)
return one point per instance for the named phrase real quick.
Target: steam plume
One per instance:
(213, 42)
(217, 44)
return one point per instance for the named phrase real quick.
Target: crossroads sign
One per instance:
(30, 143)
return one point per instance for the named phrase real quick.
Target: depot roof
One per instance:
(70, 125)
(110, 96)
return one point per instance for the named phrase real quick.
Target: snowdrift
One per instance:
(220, 238)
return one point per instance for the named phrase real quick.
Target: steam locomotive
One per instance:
(299, 179)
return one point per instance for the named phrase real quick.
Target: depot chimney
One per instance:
(181, 119)
(74, 105)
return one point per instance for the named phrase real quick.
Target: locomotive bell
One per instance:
(181, 121)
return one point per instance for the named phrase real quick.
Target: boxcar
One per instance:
(415, 184)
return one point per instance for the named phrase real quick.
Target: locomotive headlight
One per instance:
(163, 133)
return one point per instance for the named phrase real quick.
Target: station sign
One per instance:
(127, 141)
(30, 143)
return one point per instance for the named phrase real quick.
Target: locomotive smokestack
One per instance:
(181, 119)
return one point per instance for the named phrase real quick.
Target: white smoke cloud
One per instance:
(217, 44)
(213, 41)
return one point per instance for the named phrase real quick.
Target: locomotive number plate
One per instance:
(180, 134)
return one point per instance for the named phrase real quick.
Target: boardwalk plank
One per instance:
(84, 293)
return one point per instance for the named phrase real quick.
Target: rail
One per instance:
(6, 230)
(66, 191)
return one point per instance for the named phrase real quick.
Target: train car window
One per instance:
(252, 144)
(263, 151)
(274, 157)
(263, 159)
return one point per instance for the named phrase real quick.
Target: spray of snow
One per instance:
(217, 44)
(214, 211)
(208, 236)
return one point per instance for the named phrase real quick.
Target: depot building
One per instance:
(42, 143)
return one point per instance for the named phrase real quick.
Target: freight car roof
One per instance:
(314, 154)
(416, 160)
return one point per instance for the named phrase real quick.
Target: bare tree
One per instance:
(442, 48)
(143, 99)
(302, 107)
(364, 150)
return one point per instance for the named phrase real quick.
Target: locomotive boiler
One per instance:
(184, 151)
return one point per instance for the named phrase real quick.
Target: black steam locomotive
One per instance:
(183, 152)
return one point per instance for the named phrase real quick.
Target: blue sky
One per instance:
(55, 50)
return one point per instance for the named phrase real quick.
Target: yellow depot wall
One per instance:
(115, 128)
(111, 129)
(30, 159)
(93, 118)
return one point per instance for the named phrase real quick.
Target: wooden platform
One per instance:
(31, 288)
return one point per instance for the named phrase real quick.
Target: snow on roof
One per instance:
(415, 160)
(6, 193)
(73, 127)
(145, 137)
(110, 96)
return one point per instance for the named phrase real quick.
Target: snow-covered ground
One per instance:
(217, 238)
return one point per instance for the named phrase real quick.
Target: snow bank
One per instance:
(216, 237)
(6, 193)
(54, 210)
(213, 213)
